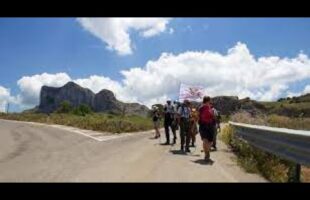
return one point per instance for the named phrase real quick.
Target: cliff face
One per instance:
(104, 101)
(51, 98)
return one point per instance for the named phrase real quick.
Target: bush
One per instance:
(64, 107)
(82, 110)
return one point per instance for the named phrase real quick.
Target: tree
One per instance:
(82, 110)
(64, 107)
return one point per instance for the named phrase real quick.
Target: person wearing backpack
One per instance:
(206, 121)
(184, 113)
(168, 122)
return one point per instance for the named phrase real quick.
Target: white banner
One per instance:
(191, 93)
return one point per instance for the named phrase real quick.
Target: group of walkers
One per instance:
(189, 120)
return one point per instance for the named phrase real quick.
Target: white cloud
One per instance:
(30, 86)
(273, 93)
(5, 97)
(115, 31)
(307, 89)
(294, 94)
(97, 83)
(237, 72)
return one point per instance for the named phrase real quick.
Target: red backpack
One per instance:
(206, 114)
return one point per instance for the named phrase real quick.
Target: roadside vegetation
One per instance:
(83, 117)
(291, 107)
(254, 160)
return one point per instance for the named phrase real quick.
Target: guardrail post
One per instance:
(297, 173)
(294, 175)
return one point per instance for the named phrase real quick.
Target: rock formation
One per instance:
(104, 101)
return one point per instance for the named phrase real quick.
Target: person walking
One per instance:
(168, 122)
(156, 121)
(206, 120)
(175, 123)
(193, 126)
(184, 113)
(215, 127)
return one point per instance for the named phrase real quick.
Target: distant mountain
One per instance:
(104, 101)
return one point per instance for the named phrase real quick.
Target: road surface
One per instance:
(31, 152)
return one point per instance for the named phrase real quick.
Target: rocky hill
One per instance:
(104, 101)
(290, 107)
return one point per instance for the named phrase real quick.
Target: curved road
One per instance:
(31, 152)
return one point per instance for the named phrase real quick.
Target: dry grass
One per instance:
(96, 121)
(287, 122)
(305, 174)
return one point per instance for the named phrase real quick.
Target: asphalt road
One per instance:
(42, 153)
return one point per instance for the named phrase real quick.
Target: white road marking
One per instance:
(98, 136)
(74, 131)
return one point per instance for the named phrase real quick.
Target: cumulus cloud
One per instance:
(5, 97)
(30, 86)
(236, 72)
(115, 31)
(97, 83)
(306, 90)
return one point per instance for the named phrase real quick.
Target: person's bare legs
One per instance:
(193, 139)
(157, 134)
(206, 147)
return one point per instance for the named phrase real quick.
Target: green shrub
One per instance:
(64, 107)
(82, 110)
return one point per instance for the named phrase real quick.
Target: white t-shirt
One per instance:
(169, 108)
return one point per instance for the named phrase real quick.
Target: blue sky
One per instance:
(30, 46)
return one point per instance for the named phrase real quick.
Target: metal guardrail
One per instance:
(289, 144)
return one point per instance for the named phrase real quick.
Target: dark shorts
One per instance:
(206, 131)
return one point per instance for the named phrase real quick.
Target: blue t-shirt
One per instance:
(184, 112)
